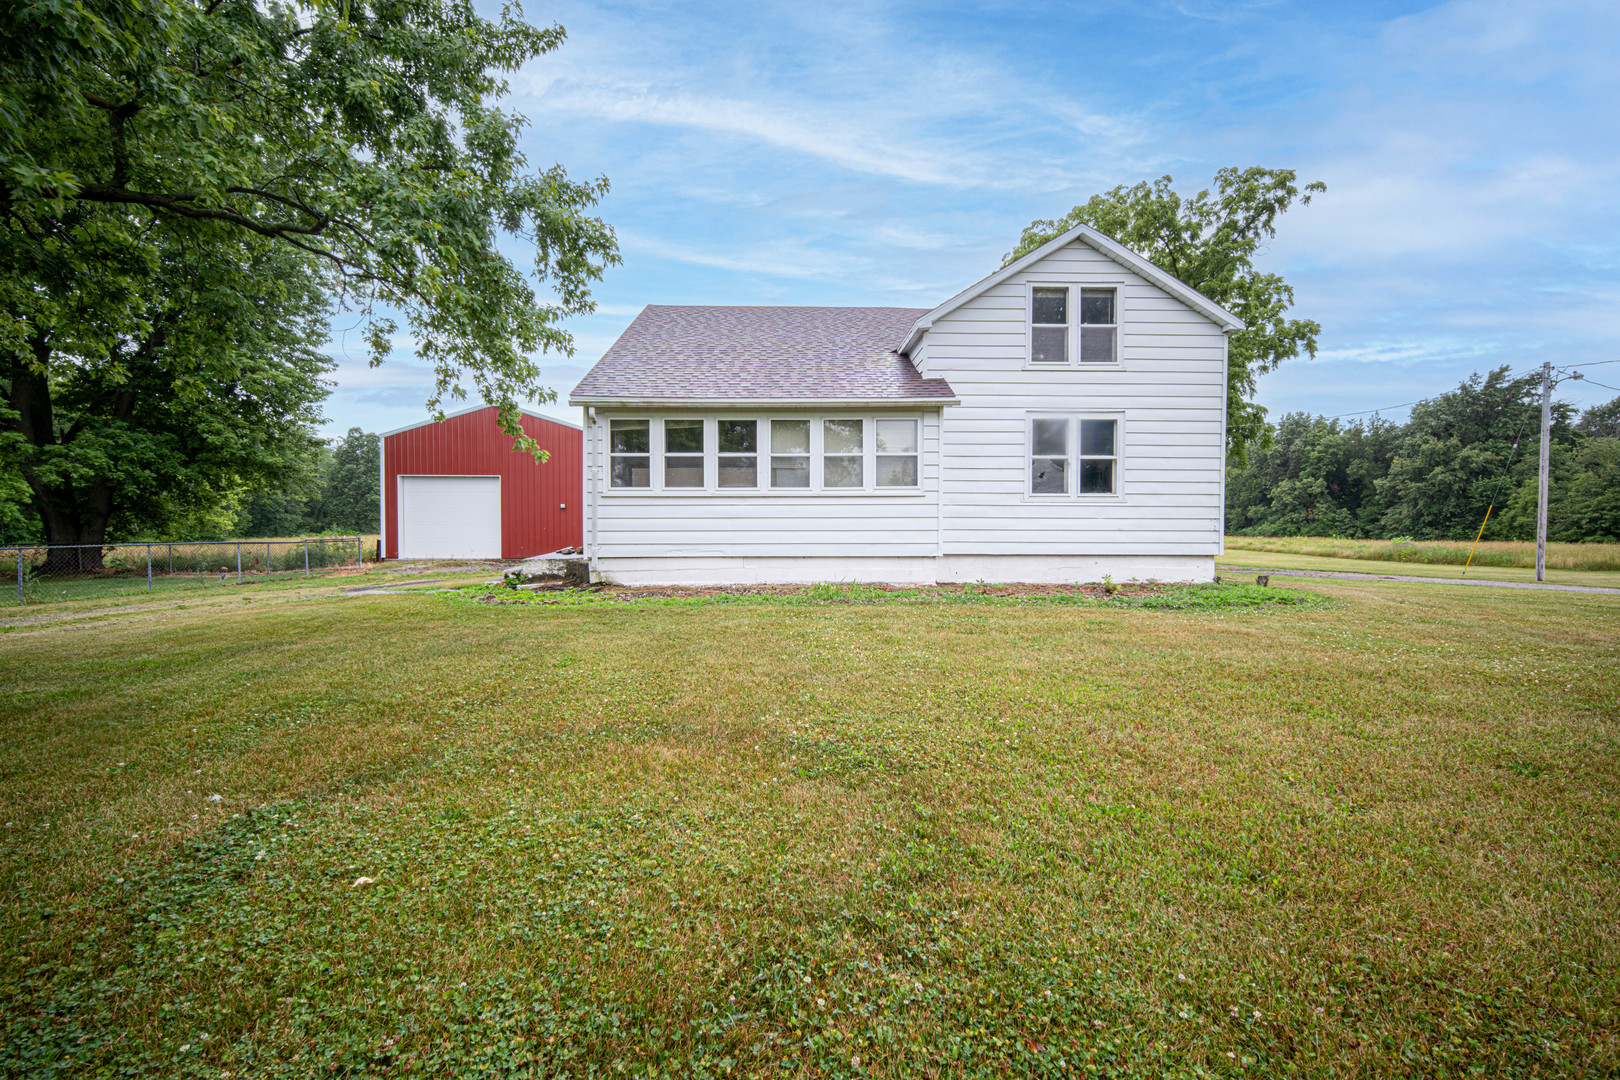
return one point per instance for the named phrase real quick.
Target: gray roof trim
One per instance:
(476, 408)
(747, 404)
(1107, 245)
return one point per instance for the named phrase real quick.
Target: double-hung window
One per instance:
(629, 452)
(1099, 328)
(739, 453)
(1049, 325)
(683, 453)
(843, 457)
(1074, 455)
(790, 453)
(896, 453)
(1049, 457)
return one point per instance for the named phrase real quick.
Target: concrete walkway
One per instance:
(1421, 580)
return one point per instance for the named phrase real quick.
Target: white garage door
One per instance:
(449, 517)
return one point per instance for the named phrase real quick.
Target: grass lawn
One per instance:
(1458, 553)
(1236, 556)
(1377, 835)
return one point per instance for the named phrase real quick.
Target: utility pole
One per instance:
(1546, 460)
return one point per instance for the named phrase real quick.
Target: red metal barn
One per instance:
(456, 489)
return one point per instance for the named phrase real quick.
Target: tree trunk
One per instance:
(72, 516)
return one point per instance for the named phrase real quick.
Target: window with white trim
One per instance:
(896, 453)
(1049, 325)
(739, 453)
(1099, 327)
(1049, 457)
(683, 453)
(630, 454)
(843, 453)
(1074, 455)
(790, 453)
(1099, 456)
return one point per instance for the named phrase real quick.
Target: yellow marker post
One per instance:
(1477, 535)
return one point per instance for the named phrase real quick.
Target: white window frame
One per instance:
(1074, 363)
(872, 454)
(1073, 494)
(655, 459)
(1080, 325)
(657, 444)
(761, 455)
(818, 446)
(1070, 312)
(709, 435)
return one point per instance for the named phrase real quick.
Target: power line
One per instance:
(1363, 412)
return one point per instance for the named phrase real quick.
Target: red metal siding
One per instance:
(533, 494)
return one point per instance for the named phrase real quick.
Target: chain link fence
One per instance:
(47, 574)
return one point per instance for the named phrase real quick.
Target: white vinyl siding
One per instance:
(1167, 388)
(972, 509)
(765, 521)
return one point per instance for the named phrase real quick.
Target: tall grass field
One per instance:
(1516, 553)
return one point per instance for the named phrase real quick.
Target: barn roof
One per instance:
(761, 355)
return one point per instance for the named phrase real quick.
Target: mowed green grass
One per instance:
(1596, 556)
(1375, 836)
(1248, 557)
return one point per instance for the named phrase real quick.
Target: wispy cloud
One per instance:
(886, 152)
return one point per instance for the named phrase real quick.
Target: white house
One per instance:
(1061, 420)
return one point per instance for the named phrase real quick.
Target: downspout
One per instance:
(592, 572)
(1226, 392)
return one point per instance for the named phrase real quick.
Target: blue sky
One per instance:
(890, 153)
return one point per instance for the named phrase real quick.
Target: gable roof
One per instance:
(478, 408)
(1101, 242)
(761, 355)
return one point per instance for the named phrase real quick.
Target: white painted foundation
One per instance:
(902, 570)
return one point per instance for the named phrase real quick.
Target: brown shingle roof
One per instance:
(672, 353)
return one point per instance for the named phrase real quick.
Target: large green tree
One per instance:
(1209, 241)
(360, 137)
(1433, 476)
(213, 382)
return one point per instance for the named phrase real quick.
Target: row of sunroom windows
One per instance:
(1068, 455)
(844, 453)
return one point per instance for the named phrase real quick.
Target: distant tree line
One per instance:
(1432, 477)
(321, 486)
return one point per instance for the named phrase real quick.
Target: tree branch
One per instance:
(181, 205)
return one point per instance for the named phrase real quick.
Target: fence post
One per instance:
(19, 574)
(171, 560)
(239, 562)
(267, 558)
(360, 554)
(306, 557)
(148, 567)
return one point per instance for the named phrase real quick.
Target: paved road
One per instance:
(1422, 580)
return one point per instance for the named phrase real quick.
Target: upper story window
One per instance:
(1049, 325)
(739, 453)
(897, 453)
(1058, 333)
(629, 453)
(1099, 330)
(683, 453)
